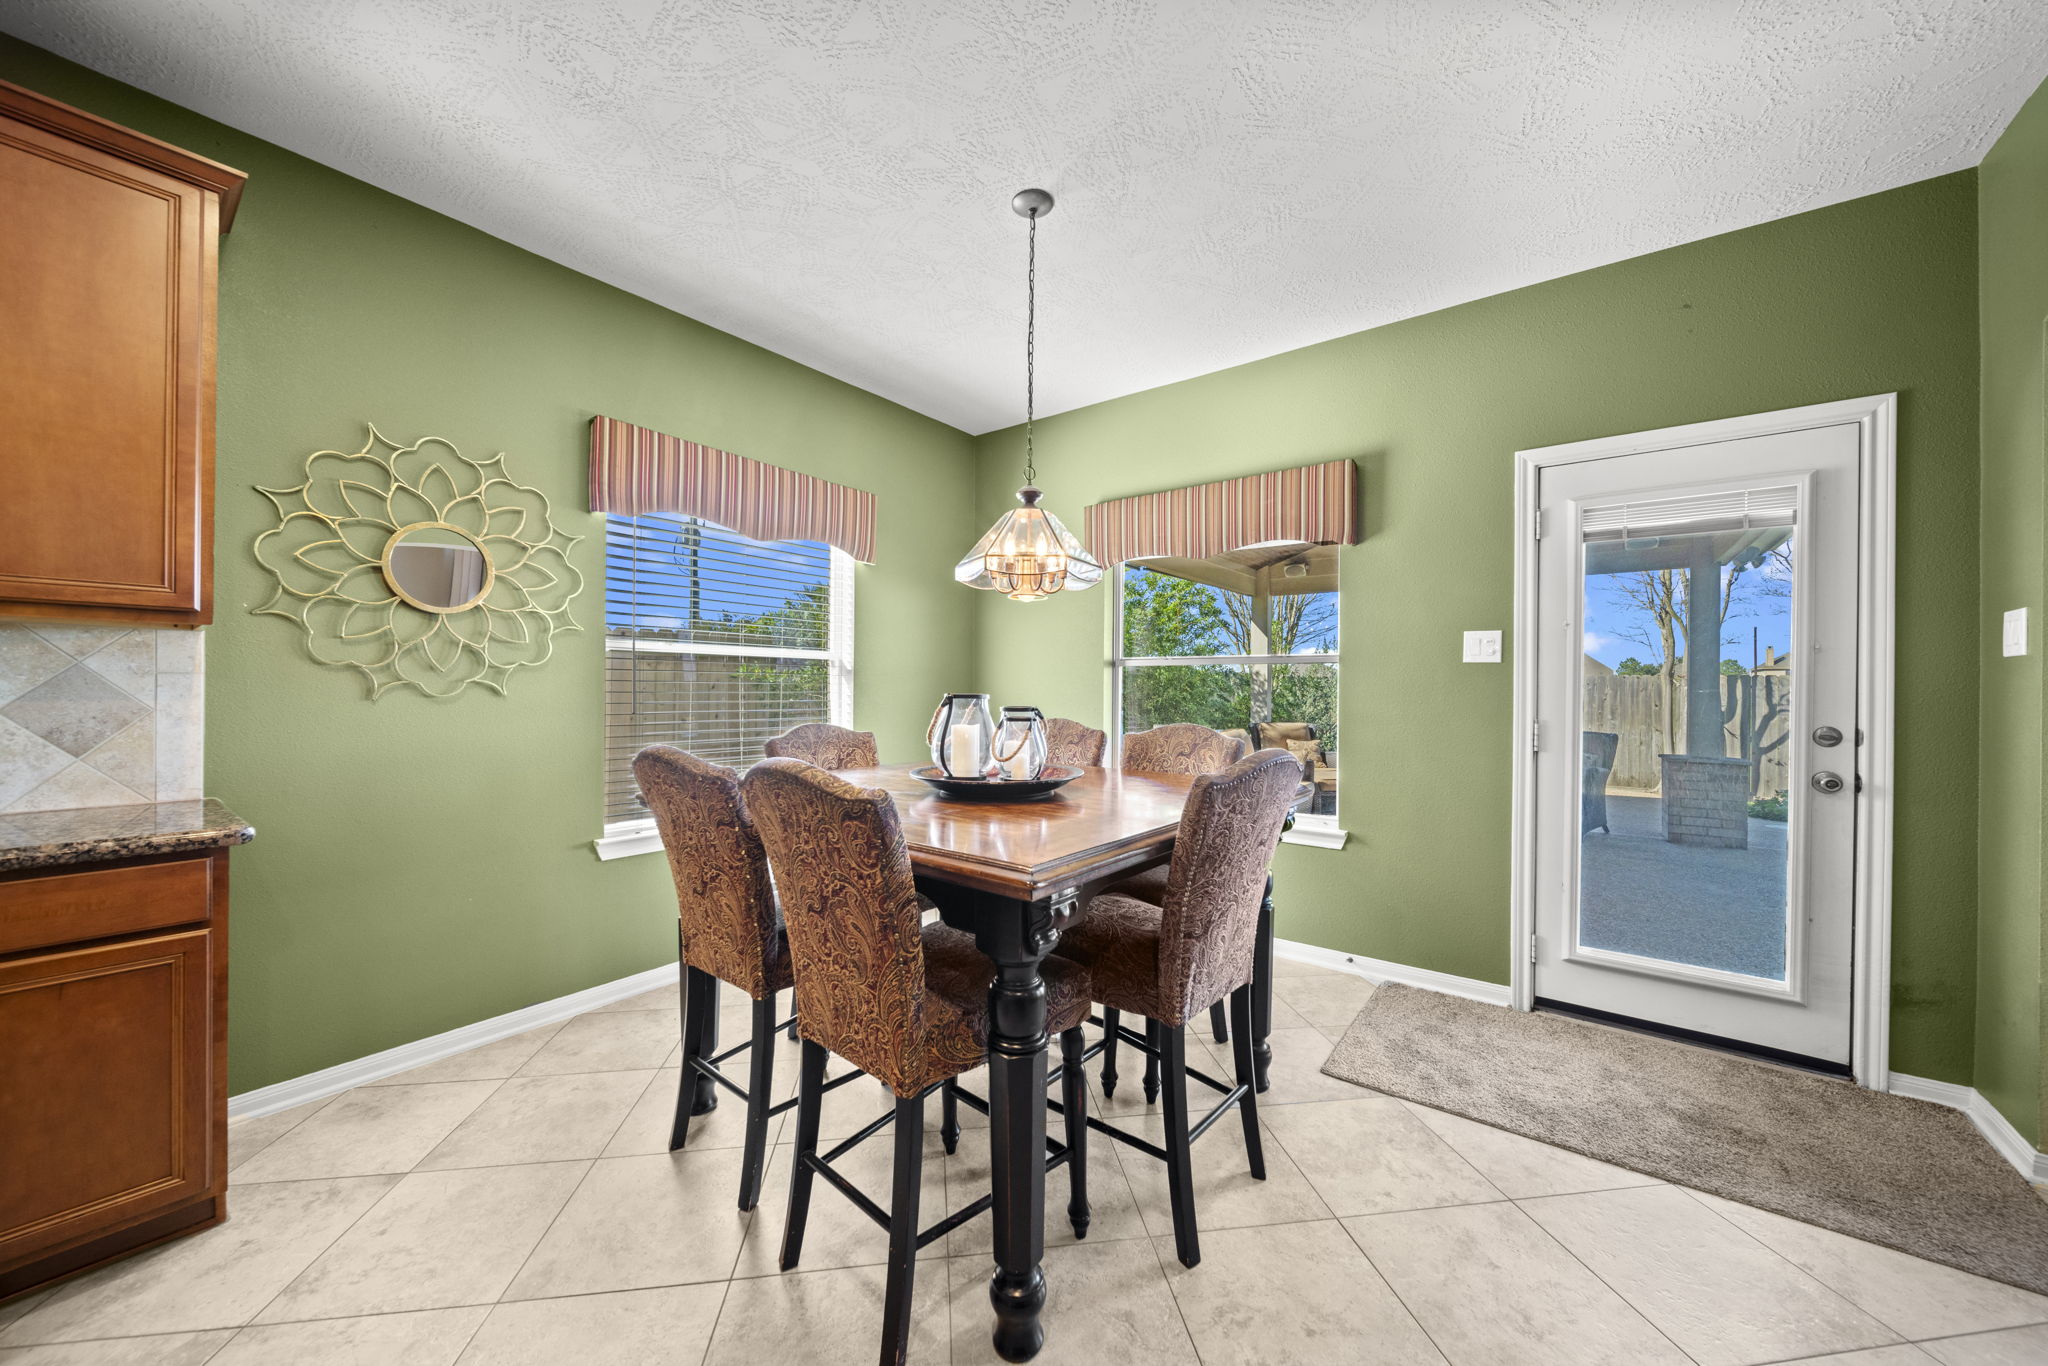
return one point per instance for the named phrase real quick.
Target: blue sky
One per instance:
(1617, 629)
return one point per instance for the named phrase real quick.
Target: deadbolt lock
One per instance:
(1827, 737)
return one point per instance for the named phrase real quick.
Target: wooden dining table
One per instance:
(1014, 874)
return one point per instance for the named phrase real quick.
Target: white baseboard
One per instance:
(328, 1081)
(1380, 970)
(1995, 1127)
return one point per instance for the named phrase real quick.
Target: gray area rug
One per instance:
(1903, 1173)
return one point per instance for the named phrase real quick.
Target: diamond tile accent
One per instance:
(26, 659)
(76, 711)
(26, 762)
(130, 757)
(129, 663)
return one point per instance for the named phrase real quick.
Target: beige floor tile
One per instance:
(1295, 967)
(1902, 1354)
(248, 1137)
(1106, 1304)
(541, 1119)
(2007, 1347)
(1112, 1209)
(1521, 1167)
(428, 1337)
(439, 1239)
(1489, 1285)
(219, 1278)
(639, 1222)
(368, 1131)
(1296, 1072)
(1915, 1298)
(15, 1308)
(1226, 1193)
(487, 1062)
(826, 1318)
(1372, 1156)
(647, 1126)
(1326, 1002)
(175, 1349)
(619, 1041)
(669, 998)
(838, 1234)
(1291, 1293)
(630, 1328)
(1723, 1297)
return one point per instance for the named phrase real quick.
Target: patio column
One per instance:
(1703, 652)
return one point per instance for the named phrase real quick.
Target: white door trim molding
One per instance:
(1870, 1015)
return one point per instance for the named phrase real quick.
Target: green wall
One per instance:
(2012, 206)
(1866, 297)
(418, 864)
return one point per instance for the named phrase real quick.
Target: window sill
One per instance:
(1316, 836)
(626, 839)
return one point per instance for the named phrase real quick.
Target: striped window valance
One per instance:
(1314, 503)
(634, 470)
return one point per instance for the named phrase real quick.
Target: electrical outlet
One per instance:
(2016, 631)
(1482, 647)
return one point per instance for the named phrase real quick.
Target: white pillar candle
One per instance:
(963, 751)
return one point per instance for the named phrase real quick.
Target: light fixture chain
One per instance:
(1030, 351)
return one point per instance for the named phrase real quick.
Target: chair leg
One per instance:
(903, 1213)
(695, 1095)
(1180, 1177)
(1217, 1025)
(760, 1098)
(1074, 1100)
(792, 1014)
(1247, 1076)
(810, 1098)
(1111, 1019)
(949, 1115)
(1152, 1033)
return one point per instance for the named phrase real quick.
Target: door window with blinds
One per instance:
(715, 642)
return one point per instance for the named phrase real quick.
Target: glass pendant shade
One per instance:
(1028, 555)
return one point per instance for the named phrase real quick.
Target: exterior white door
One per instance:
(1695, 765)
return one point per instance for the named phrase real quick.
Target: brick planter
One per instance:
(1706, 800)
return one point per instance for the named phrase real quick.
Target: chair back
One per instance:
(850, 908)
(1071, 743)
(1210, 916)
(825, 746)
(723, 895)
(1181, 748)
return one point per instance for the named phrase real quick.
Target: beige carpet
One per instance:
(1904, 1173)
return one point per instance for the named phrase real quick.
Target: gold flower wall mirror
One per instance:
(419, 567)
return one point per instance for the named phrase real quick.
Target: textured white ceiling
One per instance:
(831, 178)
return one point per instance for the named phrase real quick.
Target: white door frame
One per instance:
(1871, 967)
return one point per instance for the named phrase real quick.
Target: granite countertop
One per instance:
(95, 834)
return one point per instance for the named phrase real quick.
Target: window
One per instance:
(714, 643)
(1244, 642)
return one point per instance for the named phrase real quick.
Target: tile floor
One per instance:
(517, 1204)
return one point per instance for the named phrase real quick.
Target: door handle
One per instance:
(1827, 782)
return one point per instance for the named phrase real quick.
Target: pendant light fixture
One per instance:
(1029, 555)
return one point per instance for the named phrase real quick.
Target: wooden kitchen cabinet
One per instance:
(107, 290)
(113, 1056)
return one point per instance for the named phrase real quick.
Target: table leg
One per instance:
(1262, 989)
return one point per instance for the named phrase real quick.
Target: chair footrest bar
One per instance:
(867, 1132)
(955, 1220)
(1152, 1150)
(1223, 1107)
(705, 1068)
(823, 1167)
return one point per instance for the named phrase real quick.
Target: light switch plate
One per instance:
(2016, 631)
(1482, 647)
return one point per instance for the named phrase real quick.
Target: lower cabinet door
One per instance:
(105, 1085)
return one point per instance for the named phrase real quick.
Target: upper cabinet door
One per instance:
(107, 263)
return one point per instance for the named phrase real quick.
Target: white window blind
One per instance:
(714, 643)
(1730, 510)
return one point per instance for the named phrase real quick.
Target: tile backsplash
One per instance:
(99, 715)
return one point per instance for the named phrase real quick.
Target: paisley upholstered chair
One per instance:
(903, 1001)
(1176, 748)
(1172, 961)
(1071, 744)
(825, 746)
(727, 931)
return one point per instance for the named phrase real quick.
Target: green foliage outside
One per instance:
(1635, 668)
(1166, 616)
(1769, 808)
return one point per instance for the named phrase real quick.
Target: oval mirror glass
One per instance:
(436, 568)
